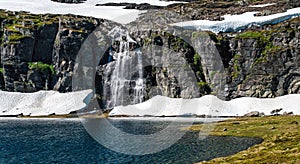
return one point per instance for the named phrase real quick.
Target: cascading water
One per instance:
(125, 81)
(139, 87)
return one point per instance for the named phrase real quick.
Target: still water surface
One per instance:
(66, 141)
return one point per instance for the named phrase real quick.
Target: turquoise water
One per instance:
(66, 141)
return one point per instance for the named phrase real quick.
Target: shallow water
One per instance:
(66, 141)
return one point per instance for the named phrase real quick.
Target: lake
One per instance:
(66, 141)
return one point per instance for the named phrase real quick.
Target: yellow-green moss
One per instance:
(16, 37)
(263, 37)
(281, 135)
(40, 66)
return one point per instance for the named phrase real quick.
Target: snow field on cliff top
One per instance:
(87, 8)
(235, 23)
(43, 102)
(209, 105)
(116, 13)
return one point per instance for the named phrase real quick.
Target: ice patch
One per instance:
(43, 102)
(209, 105)
(234, 23)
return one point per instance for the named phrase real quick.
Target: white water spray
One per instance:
(126, 83)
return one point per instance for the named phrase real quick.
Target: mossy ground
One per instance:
(281, 135)
(41, 67)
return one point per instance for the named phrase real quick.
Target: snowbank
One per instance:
(234, 23)
(263, 5)
(86, 9)
(209, 105)
(43, 102)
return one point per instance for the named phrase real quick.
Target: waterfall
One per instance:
(139, 83)
(124, 76)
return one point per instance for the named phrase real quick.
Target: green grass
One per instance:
(250, 34)
(281, 135)
(40, 66)
(262, 37)
(1, 70)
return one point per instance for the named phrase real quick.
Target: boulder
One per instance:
(252, 114)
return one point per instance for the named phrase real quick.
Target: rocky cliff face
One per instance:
(38, 52)
(263, 62)
(170, 67)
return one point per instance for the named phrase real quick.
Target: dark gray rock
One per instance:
(21, 50)
(2, 83)
(293, 3)
(9, 75)
(69, 1)
(35, 78)
(276, 111)
(49, 39)
(45, 37)
(24, 87)
(142, 6)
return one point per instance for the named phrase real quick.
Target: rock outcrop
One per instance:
(214, 10)
(263, 62)
(38, 52)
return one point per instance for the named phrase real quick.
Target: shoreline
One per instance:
(279, 133)
(106, 115)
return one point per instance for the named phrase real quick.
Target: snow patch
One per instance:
(234, 23)
(88, 8)
(209, 105)
(43, 102)
(263, 5)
